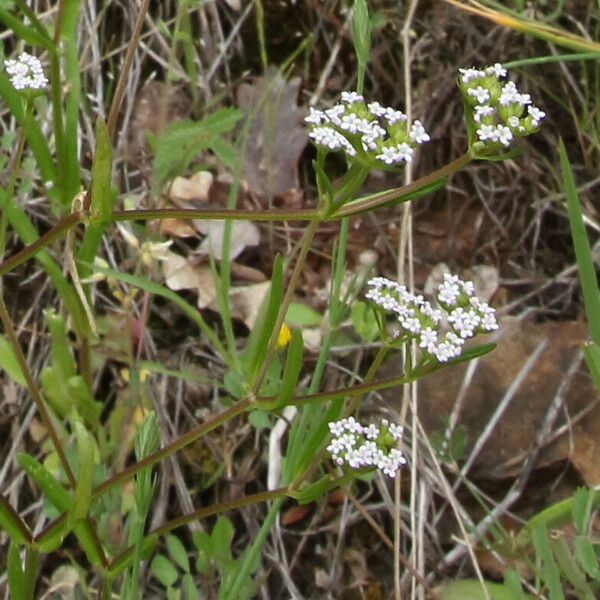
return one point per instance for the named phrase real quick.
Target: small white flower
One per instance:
(376, 109)
(504, 134)
(26, 72)
(351, 97)
(487, 132)
(315, 117)
(353, 123)
(393, 116)
(334, 113)
(497, 70)
(418, 134)
(480, 93)
(536, 115)
(483, 110)
(468, 75)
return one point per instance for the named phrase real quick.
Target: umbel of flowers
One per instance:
(26, 72)
(440, 330)
(356, 446)
(355, 127)
(499, 111)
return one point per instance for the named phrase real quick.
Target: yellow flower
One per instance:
(284, 336)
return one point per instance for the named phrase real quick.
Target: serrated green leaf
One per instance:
(587, 557)
(181, 142)
(177, 552)
(570, 570)
(162, 568)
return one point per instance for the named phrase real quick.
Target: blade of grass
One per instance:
(581, 245)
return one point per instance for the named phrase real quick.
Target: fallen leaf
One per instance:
(181, 274)
(246, 301)
(276, 134)
(243, 234)
(188, 189)
(177, 228)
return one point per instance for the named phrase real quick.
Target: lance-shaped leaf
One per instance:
(12, 523)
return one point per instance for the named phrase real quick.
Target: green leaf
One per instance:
(301, 315)
(583, 252)
(9, 362)
(259, 419)
(177, 552)
(364, 321)
(190, 592)
(181, 142)
(591, 352)
(12, 524)
(85, 404)
(162, 568)
(125, 560)
(570, 570)
(16, 575)
(60, 498)
(20, 30)
(581, 509)
(48, 484)
(221, 536)
(512, 582)
(83, 491)
(361, 30)
(265, 326)
(471, 589)
(586, 555)
(293, 366)
(549, 570)
(54, 538)
(60, 349)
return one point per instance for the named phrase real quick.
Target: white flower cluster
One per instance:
(440, 332)
(357, 446)
(500, 110)
(26, 72)
(353, 126)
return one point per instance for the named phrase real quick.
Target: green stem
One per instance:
(372, 202)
